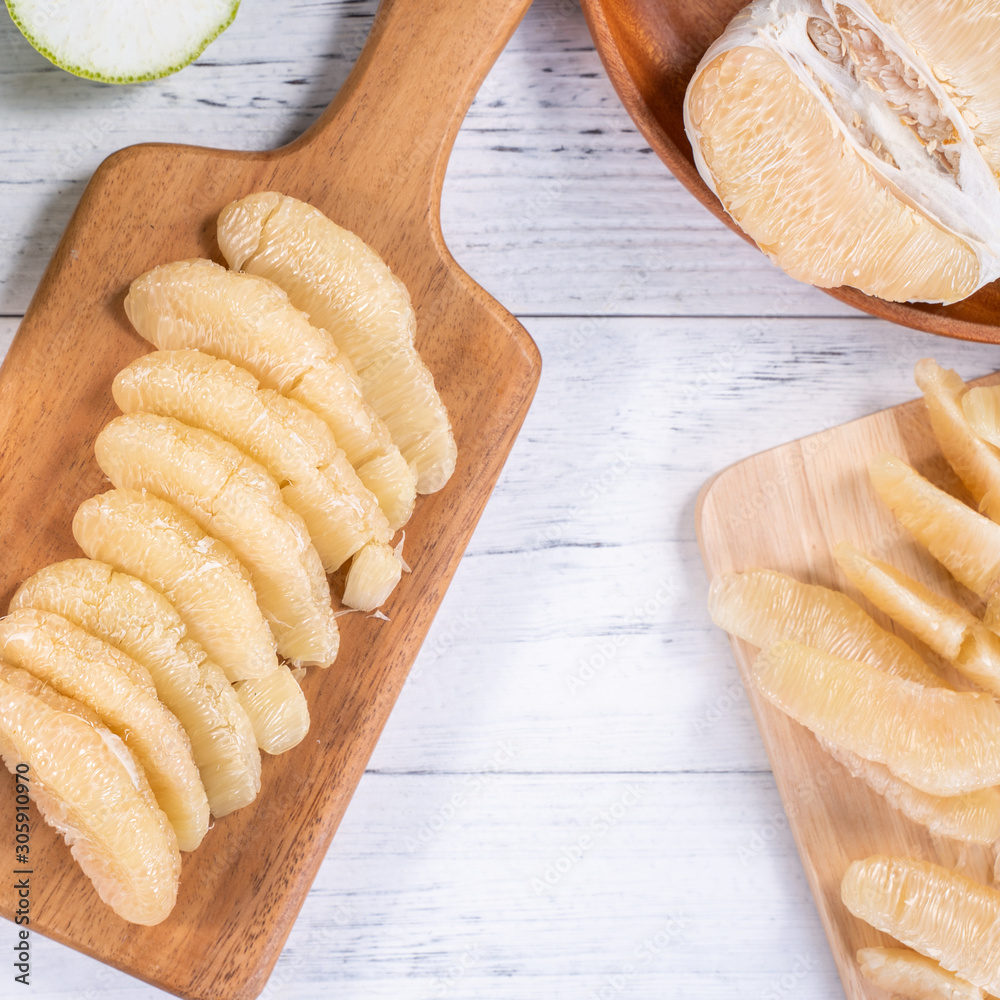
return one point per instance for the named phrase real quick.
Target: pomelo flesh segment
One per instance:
(40, 689)
(940, 741)
(981, 406)
(136, 619)
(346, 288)
(846, 139)
(763, 607)
(151, 539)
(277, 707)
(84, 787)
(973, 817)
(937, 912)
(976, 463)
(792, 180)
(316, 479)
(373, 576)
(904, 972)
(961, 46)
(81, 666)
(234, 499)
(944, 626)
(250, 322)
(962, 540)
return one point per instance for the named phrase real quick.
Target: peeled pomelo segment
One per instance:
(937, 912)
(199, 575)
(38, 688)
(962, 540)
(84, 667)
(86, 786)
(976, 463)
(763, 607)
(250, 322)
(346, 288)
(234, 499)
(791, 178)
(289, 440)
(940, 741)
(944, 626)
(837, 94)
(981, 406)
(278, 709)
(973, 817)
(122, 41)
(960, 42)
(904, 972)
(373, 576)
(138, 620)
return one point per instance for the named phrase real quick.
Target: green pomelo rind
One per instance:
(90, 74)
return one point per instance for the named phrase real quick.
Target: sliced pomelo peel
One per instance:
(122, 41)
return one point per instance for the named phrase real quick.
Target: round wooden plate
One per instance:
(650, 49)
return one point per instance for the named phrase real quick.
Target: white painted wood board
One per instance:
(664, 339)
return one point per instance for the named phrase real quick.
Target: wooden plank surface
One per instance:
(786, 509)
(384, 141)
(664, 337)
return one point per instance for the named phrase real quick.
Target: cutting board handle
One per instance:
(401, 106)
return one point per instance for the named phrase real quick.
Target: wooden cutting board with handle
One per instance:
(374, 162)
(785, 510)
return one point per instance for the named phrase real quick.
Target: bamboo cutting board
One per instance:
(786, 509)
(374, 163)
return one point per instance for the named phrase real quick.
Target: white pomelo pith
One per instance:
(122, 41)
(843, 137)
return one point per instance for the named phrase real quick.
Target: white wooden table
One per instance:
(570, 799)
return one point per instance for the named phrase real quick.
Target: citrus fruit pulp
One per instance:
(829, 138)
(83, 667)
(232, 498)
(133, 617)
(346, 287)
(942, 742)
(937, 912)
(249, 321)
(87, 787)
(153, 540)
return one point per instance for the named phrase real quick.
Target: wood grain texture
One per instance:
(666, 338)
(786, 509)
(650, 49)
(374, 162)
